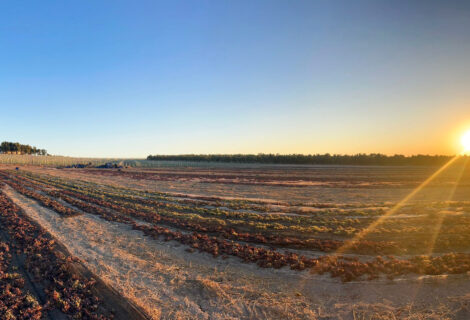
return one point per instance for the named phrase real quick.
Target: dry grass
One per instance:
(169, 283)
(162, 278)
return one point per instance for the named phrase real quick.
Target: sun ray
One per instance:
(360, 235)
(441, 217)
(437, 228)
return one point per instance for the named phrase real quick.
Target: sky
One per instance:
(133, 78)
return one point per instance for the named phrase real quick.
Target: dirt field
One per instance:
(308, 184)
(138, 229)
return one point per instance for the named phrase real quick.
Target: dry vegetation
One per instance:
(43, 160)
(149, 234)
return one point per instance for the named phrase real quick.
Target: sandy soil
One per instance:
(169, 283)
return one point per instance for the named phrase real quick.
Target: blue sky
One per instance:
(132, 78)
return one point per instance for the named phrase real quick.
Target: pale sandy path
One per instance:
(170, 283)
(164, 279)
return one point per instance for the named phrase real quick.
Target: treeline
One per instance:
(18, 148)
(332, 159)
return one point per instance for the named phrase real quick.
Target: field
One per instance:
(225, 241)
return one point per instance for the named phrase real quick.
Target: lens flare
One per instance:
(465, 141)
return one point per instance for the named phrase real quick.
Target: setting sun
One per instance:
(465, 140)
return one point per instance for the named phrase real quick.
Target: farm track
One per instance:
(63, 286)
(164, 279)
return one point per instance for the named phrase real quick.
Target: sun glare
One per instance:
(465, 140)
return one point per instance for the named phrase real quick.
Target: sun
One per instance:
(465, 141)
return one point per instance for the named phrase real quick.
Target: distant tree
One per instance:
(16, 147)
(5, 147)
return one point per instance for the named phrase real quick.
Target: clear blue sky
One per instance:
(130, 78)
